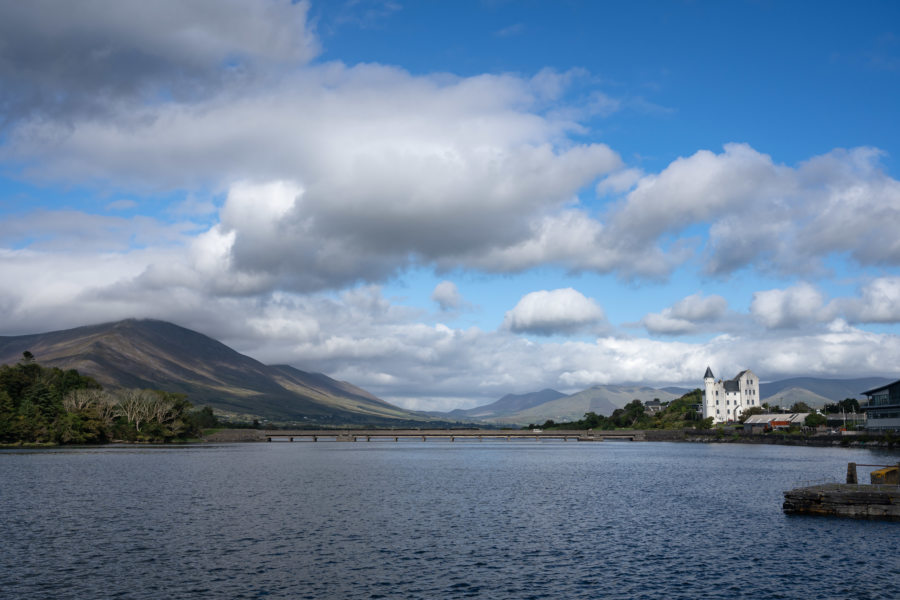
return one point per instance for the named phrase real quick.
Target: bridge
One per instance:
(368, 435)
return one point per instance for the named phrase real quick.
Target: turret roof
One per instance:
(709, 374)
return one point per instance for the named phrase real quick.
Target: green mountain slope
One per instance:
(508, 404)
(818, 390)
(538, 407)
(161, 355)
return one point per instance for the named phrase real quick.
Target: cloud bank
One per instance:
(331, 180)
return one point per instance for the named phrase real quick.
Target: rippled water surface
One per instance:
(433, 520)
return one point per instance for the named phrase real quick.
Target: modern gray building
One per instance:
(882, 407)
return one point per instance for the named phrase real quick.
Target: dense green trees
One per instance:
(814, 420)
(52, 406)
(847, 405)
(676, 414)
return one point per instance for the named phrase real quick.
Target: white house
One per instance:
(724, 401)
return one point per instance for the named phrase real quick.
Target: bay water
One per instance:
(467, 519)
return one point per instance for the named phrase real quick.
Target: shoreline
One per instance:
(690, 436)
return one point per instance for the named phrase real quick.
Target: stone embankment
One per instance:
(789, 439)
(845, 500)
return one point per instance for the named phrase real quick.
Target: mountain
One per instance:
(679, 391)
(510, 403)
(817, 392)
(160, 355)
(790, 396)
(537, 407)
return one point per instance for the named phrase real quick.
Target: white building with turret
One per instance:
(724, 401)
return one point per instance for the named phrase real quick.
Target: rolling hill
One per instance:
(160, 355)
(817, 392)
(537, 407)
(508, 404)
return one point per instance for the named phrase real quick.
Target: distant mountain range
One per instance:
(160, 355)
(537, 407)
(817, 392)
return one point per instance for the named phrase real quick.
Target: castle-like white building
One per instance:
(724, 401)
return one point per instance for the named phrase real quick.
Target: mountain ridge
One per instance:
(604, 399)
(147, 353)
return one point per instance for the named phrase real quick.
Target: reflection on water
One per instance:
(433, 520)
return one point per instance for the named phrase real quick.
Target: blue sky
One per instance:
(446, 202)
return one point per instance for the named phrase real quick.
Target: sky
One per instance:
(446, 202)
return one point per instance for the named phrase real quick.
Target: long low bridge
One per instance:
(368, 435)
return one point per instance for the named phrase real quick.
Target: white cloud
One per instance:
(447, 295)
(761, 214)
(554, 311)
(684, 316)
(336, 178)
(801, 304)
(398, 170)
(393, 169)
(879, 302)
(122, 204)
(360, 336)
(619, 182)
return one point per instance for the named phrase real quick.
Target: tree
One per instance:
(706, 423)
(7, 417)
(204, 418)
(814, 420)
(800, 407)
(847, 405)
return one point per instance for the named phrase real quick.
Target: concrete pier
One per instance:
(845, 500)
(877, 500)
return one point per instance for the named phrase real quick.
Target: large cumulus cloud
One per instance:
(760, 214)
(331, 178)
(549, 312)
(67, 60)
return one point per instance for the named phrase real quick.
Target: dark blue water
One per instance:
(433, 520)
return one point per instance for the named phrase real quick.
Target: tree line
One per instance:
(677, 414)
(682, 413)
(42, 405)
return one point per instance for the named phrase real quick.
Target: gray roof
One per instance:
(878, 389)
(709, 374)
(769, 417)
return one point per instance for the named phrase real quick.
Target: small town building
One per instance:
(772, 421)
(845, 420)
(726, 400)
(651, 407)
(882, 408)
